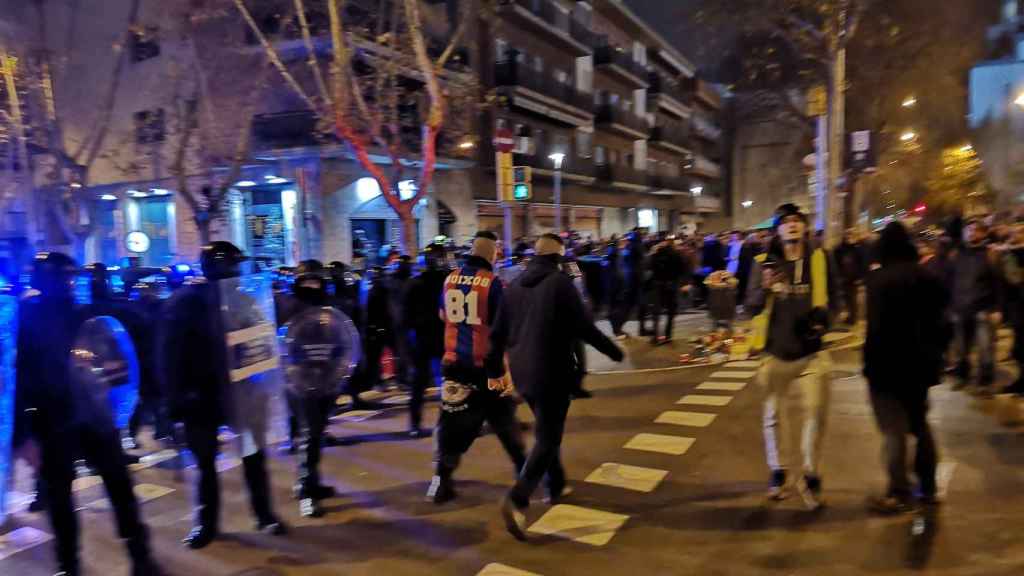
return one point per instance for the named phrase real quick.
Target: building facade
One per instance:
(589, 80)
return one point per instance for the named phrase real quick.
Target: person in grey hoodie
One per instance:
(794, 293)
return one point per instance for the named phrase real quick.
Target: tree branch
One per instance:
(453, 43)
(273, 56)
(312, 61)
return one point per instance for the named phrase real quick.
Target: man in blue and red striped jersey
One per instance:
(469, 302)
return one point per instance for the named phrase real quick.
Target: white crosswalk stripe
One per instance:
(496, 569)
(661, 443)
(702, 400)
(694, 419)
(743, 364)
(723, 386)
(636, 478)
(733, 374)
(579, 524)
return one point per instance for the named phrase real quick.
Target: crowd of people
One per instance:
(496, 332)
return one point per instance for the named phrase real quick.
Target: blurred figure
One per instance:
(1013, 273)
(907, 336)
(380, 328)
(541, 318)
(634, 265)
(976, 299)
(426, 330)
(849, 256)
(732, 251)
(47, 411)
(471, 299)
(670, 274)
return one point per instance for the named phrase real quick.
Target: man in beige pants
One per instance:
(793, 299)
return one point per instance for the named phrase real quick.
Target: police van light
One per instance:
(182, 268)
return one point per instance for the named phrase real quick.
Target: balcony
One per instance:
(708, 94)
(540, 93)
(663, 93)
(705, 128)
(621, 121)
(673, 136)
(545, 17)
(666, 182)
(622, 176)
(707, 204)
(294, 129)
(703, 166)
(620, 63)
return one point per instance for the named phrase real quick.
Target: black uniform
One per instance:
(466, 401)
(47, 410)
(195, 367)
(426, 333)
(669, 272)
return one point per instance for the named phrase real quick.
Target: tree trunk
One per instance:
(409, 240)
(203, 226)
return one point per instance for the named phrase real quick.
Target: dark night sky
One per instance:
(673, 20)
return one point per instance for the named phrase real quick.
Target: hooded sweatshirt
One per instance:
(538, 323)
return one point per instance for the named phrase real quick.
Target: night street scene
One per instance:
(511, 287)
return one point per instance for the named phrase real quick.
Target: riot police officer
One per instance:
(322, 347)
(426, 329)
(200, 393)
(52, 411)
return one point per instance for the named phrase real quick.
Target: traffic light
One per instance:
(522, 187)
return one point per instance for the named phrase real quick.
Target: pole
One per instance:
(558, 200)
(821, 175)
(8, 67)
(837, 128)
(506, 208)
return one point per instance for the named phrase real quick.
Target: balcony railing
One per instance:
(708, 94)
(608, 115)
(608, 55)
(705, 128)
(705, 167)
(658, 85)
(666, 182)
(618, 173)
(674, 133)
(509, 73)
(557, 20)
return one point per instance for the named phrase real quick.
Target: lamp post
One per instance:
(558, 158)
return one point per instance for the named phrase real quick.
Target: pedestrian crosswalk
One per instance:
(597, 527)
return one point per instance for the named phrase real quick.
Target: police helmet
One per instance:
(220, 260)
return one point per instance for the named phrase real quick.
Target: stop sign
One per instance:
(504, 140)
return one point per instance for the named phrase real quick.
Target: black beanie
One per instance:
(788, 209)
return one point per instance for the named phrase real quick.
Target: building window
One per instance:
(500, 50)
(145, 43)
(538, 143)
(627, 160)
(583, 143)
(600, 155)
(150, 126)
(613, 99)
(613, 156)
(562, 77)
(538, 64)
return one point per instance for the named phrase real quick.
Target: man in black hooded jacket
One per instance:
(538, 323)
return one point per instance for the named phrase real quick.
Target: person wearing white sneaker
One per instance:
(792, 300)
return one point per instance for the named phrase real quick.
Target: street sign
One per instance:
(817, 101)
(861, 153)
(504, 140)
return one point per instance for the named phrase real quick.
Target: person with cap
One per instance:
(425, 329)
(792, 303)
(46, 411)
(471, 298)
(907, 335)
(541, 317)
(195, 366)
(977, 296)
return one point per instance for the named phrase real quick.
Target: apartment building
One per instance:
(592, 81)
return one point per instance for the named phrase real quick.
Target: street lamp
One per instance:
(1020, 100)
(966, 148)
(747, 203)
(910, 102)
(557, 158)
(907, 136)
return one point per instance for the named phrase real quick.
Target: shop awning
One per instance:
(765, 225)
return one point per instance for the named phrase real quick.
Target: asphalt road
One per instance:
(697, 507)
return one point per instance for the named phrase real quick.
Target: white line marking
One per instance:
(20, 540)
(636, 478)
(702, 400)
(584, 525)
(743, 364)
(495, 569)
(723, 386)
(662, 443)
(943, 477)
(695, 419)
(733, 374)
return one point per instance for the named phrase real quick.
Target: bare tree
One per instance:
(381, 72)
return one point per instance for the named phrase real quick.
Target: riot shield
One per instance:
(253, 359)
(321, 349)
(249, 323)
(104, 373)
(8, 340)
